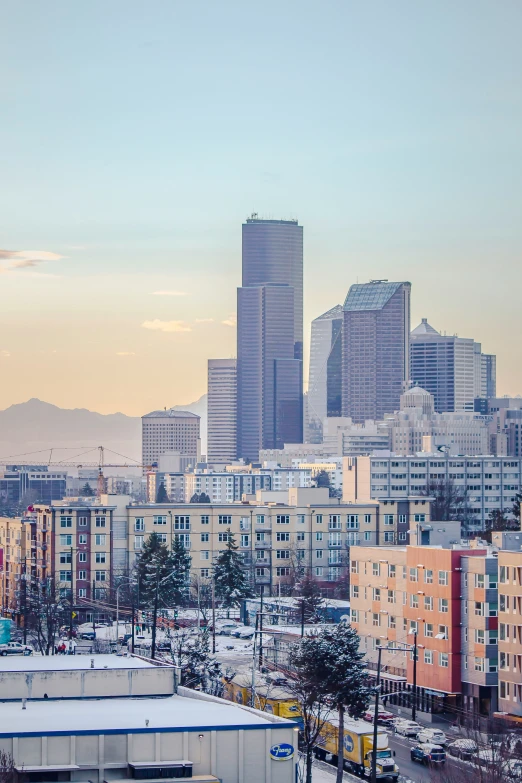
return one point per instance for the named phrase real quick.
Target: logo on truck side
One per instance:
(348, 743)
(282, 752)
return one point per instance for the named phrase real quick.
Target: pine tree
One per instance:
(161, 495)
(230, 579)
(199, 670)
(345, 679)
(87, 490)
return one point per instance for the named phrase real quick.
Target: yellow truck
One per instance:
(358, 748)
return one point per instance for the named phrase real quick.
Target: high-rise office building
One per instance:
(325, 372)
(273, 253)
(451, 368)
(168, 431)
(270, 337)
(222, 404)
(376, 327)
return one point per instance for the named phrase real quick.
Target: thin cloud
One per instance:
(169, 293)
(204, 320)
(5, 354)
(230, 321)
(24, 259)
(167, 326)
(125, 353)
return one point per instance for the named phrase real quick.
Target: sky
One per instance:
(137, 137)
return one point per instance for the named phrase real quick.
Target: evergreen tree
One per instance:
(322, 479)
(199, 670)
(515, 511)
(161, 494)
(87, 490)
(344, 680)
(230, 579)
(201, 498)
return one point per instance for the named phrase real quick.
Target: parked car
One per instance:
(428, 754)
(462, 748)
(408, 728)
(15, 648)
(164, 646)
(89, 635)
(435, 736)
(383, 717)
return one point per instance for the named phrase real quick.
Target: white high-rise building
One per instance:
(325, 373)
(167, 431)
(222, 411)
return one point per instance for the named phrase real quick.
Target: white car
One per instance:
(408, 728)
(15, 648)
(435, 736)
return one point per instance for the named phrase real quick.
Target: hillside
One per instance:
(37, 426)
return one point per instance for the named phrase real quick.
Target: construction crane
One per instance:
(100, 463)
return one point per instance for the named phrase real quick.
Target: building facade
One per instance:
(510, 632)
(376, 328)
(222, 411)
(168, 431)
(325, 372)
(485, 483)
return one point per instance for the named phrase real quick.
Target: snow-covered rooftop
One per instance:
(35, 663)
(127, 715)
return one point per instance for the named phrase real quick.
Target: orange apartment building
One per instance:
(447, 599)
(510, 633)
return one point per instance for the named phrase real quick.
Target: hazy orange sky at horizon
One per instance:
(139, 137)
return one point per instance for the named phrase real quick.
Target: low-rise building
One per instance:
(510, 632)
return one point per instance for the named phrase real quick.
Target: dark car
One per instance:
(463, 748)
(428, 754)
(89, 635)
(163, 647)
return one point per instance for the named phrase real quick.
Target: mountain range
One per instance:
(29, 430)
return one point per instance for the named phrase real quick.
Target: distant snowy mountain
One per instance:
(29, 430)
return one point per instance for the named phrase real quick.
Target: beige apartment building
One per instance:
(277, 532)
(15, 548)
(510, 632)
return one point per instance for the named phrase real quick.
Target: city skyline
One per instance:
(130, 171)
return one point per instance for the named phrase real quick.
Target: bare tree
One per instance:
(7, 767)
(495, 757)
(45, 613)
(449, 501)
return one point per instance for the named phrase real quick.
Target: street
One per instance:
(411, 770)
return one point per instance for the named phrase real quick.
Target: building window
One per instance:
(205, 554)
(283, 519)
(182, 523)
(205, 573)
(335, 522)
(65, 576)
(300, 519)
(82, 538)
(100, 539)
(100, 521)
(479, 609)
(376, 593)
(319, 519)
(443, 578)
(443, 660)
(414, 601)
(283, 571)
(479, 580)
(376, 569)
(101, 576)
(65, 540)
(245, 540)
(300, 535)
(443, 605)
(66, 522)
(139, 524)
(319, 572)
(442, 632)
(283, 554)
(138, 542)
(82, 592)
(391, 596)
(65, 557)
(354, 566)
(504, 689)
(503, 578)
(376, 619)
(184, 539)
(389, 537)
(428, 656)
(428, 602)
(391, 621)
(100, 557)
(355, 591)
(413, 574)
(392, 571)
(283, 536)
(158, 520)
(428, 630)
(479, 664)
(402, 535)
(419, 517)
(205, 519)
(82, 557)
(319, 535)
(352, 522)
(260, 519)
(223, 537)
(82, 576)
(388, 519)
(82, 521)
(367, 519)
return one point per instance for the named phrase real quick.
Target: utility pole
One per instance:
(24, 577)
(72, 601)
(376, 715)
(155, 619)
(213, 618)
(261, 630)
(414, 704)
(93, 608)
(302, 617)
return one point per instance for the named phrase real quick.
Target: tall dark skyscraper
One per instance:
(270, 337)
(376, 330)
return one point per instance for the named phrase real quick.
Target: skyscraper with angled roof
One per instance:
(376, 328)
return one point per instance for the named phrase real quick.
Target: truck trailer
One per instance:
(358, 748)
